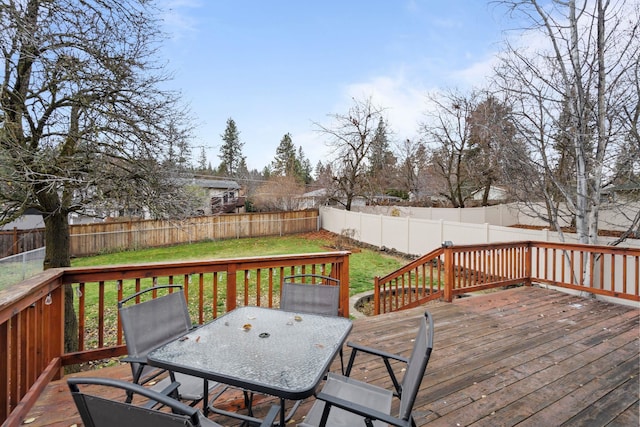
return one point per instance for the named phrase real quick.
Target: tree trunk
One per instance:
(57, 254)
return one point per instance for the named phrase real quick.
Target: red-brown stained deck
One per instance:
(525, 356)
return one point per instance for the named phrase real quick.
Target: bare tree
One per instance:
(492, 136)
(575, 100)
(410, 158)
(84, 122)
(448, 130)
(351, 136)
(280, 193)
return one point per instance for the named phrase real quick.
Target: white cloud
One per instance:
(177, 17)
(476, 74)
(403, 101)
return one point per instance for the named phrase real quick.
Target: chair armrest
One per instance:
(361, 410)
(270, 419)
(377, 352)
(355, 348)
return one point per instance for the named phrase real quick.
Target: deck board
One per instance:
(525, 356)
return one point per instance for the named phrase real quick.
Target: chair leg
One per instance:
(248, 402)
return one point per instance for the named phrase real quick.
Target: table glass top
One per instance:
(254, 345)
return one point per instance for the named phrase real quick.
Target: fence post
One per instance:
(15, 249)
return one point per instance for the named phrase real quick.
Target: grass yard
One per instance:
(364, 264)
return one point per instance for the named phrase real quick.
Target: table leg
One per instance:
(282, 413)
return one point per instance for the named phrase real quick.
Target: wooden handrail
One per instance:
(603, 270)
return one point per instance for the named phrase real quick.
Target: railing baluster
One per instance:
(200, 298)
(82, 317)
(100, 314)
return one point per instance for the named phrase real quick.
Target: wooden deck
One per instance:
(524, 356)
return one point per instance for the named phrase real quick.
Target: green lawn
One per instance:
(364, 264)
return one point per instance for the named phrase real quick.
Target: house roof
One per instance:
(321, 192)
(214, 183)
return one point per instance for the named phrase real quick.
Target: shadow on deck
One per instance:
(525, 356)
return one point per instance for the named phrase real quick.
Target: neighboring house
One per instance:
(621, 193)
(222, 196)
(31, 219)
(496, 193)
(313, 199)
(218, 196)
(385, 199)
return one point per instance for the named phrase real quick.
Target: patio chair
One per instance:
(312, 297)
(97, 411)
(344, 401)
(150, 324)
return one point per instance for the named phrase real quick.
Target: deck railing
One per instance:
(455, 270)
(32, 312)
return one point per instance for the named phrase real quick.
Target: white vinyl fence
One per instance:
(417, 236)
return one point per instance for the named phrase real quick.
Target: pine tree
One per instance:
(304, 172)
(285, 162)
(202, 162)
(381, 154)
(231, 151)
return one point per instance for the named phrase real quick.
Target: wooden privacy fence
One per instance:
(450, 271)
(13, 242)
(32, 312)
(90, 239)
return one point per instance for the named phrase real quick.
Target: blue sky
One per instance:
(278, 66)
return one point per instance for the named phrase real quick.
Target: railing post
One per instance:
(57, 325)
(448, 274)
(232, 290)
(344, 284)
(376, 295)
(527, 262)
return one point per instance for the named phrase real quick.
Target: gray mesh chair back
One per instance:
(97, 411)
(346, 402)
(152, 323)
(312, 297)
(417, 366)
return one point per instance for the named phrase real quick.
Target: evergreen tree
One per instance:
(231, 151)
(285, 162)
(266, 172)
(382, 161)
(202, 162)
(380, 152)
(304, 172)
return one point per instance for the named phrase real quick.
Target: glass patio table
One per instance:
(269, 351)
